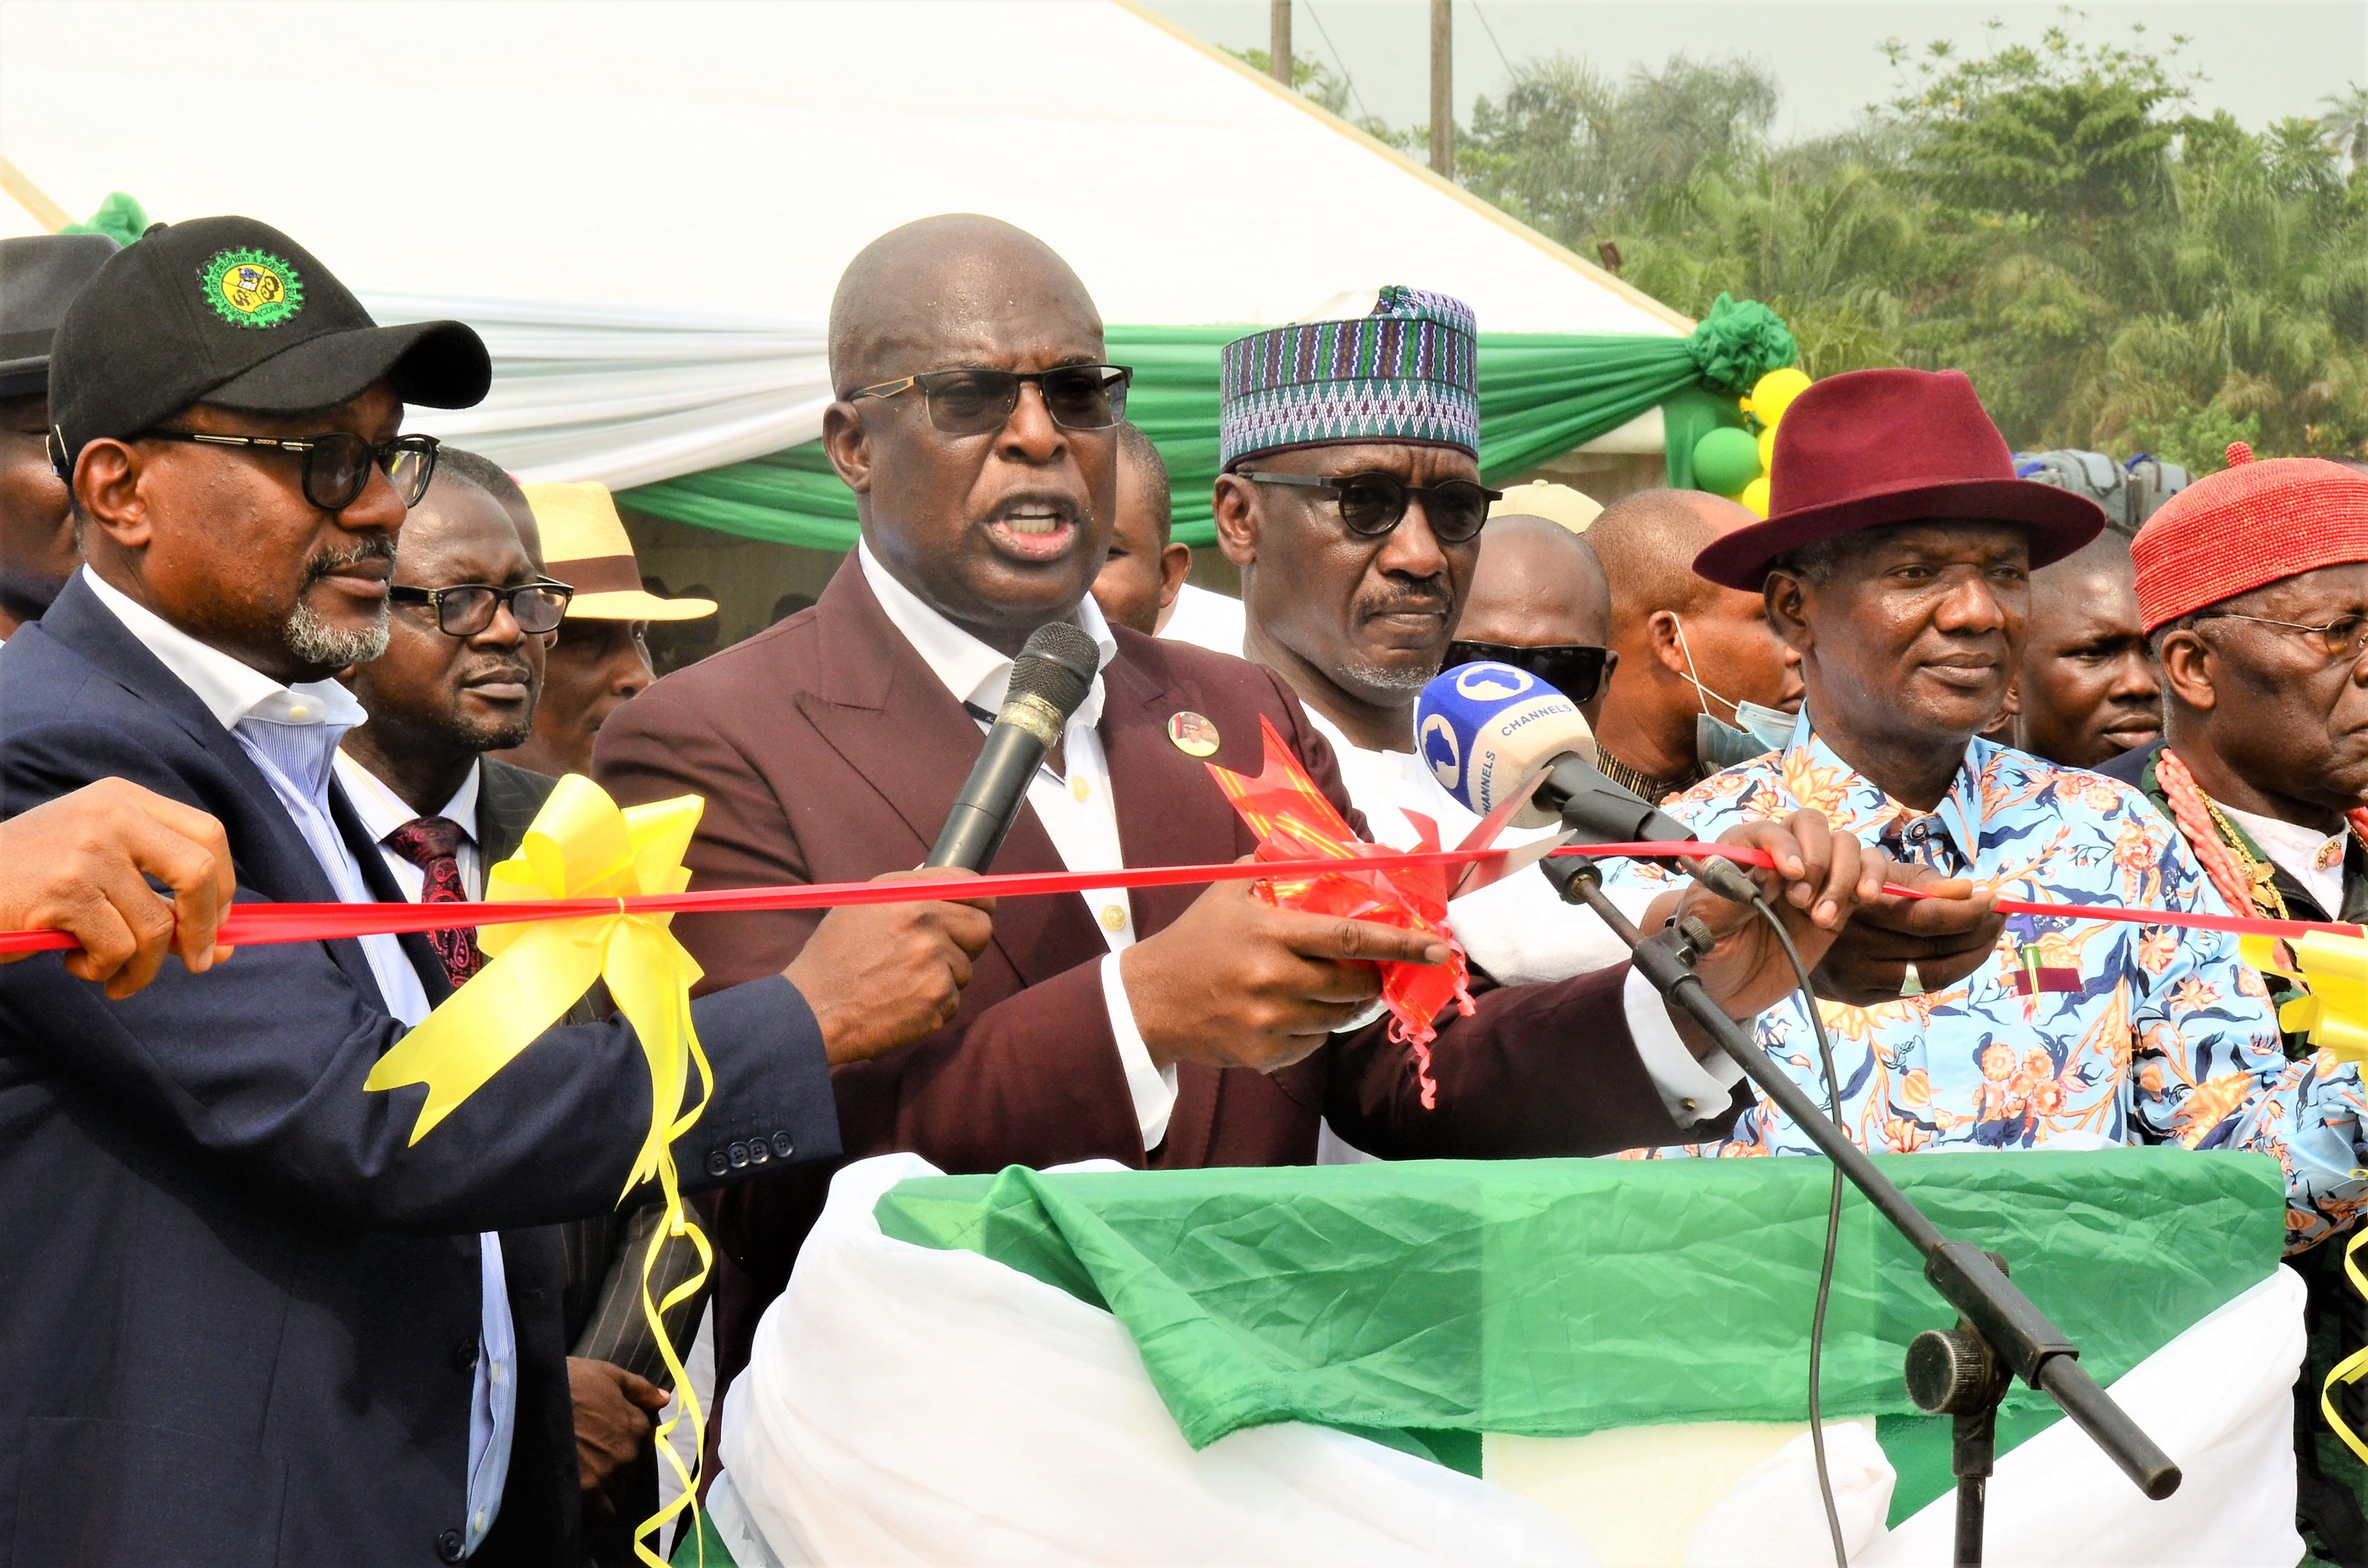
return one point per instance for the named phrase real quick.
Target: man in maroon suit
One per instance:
(1171, 1027)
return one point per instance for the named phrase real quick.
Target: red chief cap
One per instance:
(2250, 524)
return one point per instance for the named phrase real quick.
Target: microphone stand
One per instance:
(1962, 1372)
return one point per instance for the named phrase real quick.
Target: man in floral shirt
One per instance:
(1896, 559)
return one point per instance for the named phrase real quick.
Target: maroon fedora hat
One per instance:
(1872, 447)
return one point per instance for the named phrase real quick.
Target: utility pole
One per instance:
(1442, 88)
(1278, 41)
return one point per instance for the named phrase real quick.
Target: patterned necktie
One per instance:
(433, 844)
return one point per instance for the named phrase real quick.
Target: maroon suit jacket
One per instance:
(828, 751)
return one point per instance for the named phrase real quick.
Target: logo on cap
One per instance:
(252, 287)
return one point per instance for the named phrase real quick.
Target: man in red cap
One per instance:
(1897, 560)
(2263, 768)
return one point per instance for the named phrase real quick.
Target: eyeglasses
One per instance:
(2343, 639)
(468, 608)
(338, 465)
(1373, 503)
(1575, 669)
(979, 402)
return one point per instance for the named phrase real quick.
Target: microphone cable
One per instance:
(1833, 1230)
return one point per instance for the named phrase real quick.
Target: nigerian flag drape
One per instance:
(1540, 396)
(1424, 1303)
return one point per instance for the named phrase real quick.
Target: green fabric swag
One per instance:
(1540, 396)
(1551, 1298)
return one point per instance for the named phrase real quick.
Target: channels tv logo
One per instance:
(1490, 683)
(1441, 750)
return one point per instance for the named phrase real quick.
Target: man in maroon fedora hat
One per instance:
(1895, 560)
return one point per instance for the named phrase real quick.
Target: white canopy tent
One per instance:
(645, 207)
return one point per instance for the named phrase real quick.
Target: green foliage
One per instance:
(2112, 269)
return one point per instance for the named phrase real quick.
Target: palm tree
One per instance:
(2345, 123)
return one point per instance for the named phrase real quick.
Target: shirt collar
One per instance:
(233, 692)
(383, 811)
(1817, 778)
(967, 668)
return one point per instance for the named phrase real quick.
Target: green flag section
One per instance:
(1540, 396)
(1561, 1297)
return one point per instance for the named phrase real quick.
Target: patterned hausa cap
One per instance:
(1409, 371)
(2250, 524)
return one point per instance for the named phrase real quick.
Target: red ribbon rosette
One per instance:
(1294, 822)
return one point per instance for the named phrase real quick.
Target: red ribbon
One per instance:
(1296, 825)
(254, 923)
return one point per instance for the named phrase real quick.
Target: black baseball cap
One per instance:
(40, 276)
(232, 311)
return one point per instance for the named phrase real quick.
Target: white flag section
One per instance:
(627, 396)
(911, 1406)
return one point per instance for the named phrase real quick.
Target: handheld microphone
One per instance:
(1050, 676)
(1486, 729)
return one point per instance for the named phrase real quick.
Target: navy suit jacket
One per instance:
(238, 1311)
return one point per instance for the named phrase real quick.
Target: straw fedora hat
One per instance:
(584, 546)
(1556, 502)
(1871, 447)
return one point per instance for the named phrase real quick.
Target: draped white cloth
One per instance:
(624, 396)
(911, 1406)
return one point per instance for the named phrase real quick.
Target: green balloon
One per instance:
(1726, 461)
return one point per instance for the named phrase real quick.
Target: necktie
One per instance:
(433, 844)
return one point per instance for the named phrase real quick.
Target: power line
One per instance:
(1326, 34)
(1492, 37)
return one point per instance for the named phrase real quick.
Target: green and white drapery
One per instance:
(1540, 395)
(1547, 1361)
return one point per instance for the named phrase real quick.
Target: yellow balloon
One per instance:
(1774, 393)
(1767, 450)
(1755, 495)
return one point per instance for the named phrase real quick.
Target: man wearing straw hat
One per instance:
(598, 661)
(1896, 559)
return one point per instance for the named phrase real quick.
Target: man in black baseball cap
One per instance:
(40, 275)
(272, 1327)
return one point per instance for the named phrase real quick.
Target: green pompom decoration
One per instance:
(1726, 461)
(1737, 343)
(120, 218)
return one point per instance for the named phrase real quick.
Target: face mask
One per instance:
(1722, 744)
(1757, 730)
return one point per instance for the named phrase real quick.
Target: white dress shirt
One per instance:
(383, 813)
(1517, 928)
(292, 733)
(2313, 860)
(1078, 811)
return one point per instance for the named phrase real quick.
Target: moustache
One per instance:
(378, 547)
(1405, 602)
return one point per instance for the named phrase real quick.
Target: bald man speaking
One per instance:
(976, 422)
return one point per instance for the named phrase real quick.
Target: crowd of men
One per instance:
(262, 645)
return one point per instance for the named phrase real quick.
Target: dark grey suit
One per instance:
(240, 1308)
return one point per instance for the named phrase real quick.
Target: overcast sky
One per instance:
(2262, 59)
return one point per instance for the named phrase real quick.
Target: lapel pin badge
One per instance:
(1193, 735)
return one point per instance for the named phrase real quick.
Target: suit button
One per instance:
(739, 1156)
(449, 1546)
(465, 1355)
(757, 1152)
(783, 1146)
(717, 1162)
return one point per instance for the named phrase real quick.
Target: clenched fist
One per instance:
(884, 976)
(1237, 983)
(80, 864)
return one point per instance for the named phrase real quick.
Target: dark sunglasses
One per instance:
(1373, 503)
(979, 402)
(1573, 669)
(338, 465)
(468, 608)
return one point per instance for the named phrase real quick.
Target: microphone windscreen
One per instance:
(1056, 668)
(1485, 729)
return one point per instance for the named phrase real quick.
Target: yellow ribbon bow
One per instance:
(2330, 974)
(582, 846)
